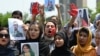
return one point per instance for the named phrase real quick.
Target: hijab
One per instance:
(63, 50)
(79, 49)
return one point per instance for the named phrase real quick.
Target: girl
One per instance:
(61, 45)
(84, 47)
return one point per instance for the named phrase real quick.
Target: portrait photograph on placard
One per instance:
(82, 17)
(29, 49)
(85, 20)
(15, 29)
(49, 5)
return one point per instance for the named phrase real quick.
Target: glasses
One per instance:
(6, 35)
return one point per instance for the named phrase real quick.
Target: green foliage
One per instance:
(4, 18)
(93, 16)
(25, 16)
(98, 7)
(97, 11)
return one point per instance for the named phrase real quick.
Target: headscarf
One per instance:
(63, 50)
(79, 49)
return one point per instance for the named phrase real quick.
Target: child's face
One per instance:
(59, 41)
(97, 38)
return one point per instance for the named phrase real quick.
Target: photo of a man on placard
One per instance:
(16, 32)
(16, 29)
(49, 5)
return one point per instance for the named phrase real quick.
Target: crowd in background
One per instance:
(54, 39)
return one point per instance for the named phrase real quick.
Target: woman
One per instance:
(5, 49)
(61, 45)
(35, 32)
(84, 47)
(27, 51)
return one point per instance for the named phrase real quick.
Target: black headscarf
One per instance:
(64, 50)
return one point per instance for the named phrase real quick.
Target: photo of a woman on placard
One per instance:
(27, 51)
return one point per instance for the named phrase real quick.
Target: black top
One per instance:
(64, 50)
(6, 51)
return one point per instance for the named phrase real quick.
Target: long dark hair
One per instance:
(30, 50)
(40, 28)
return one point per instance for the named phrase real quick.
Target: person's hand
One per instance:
(41, 10)
(57, 6)
(34, 8)
(73, 10)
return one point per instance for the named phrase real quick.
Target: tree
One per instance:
(25, 17)
(4, 18)
(97, 11)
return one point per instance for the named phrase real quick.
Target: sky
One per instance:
(91, 4)
(24, 5)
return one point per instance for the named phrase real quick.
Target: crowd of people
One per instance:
(54, 39)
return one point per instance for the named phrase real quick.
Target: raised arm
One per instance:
(59, 17)
(73, 12)
(41, 16)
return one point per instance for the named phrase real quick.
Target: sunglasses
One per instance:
(6, 35)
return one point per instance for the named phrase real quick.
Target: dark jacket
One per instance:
(73, 38)
(43, 46)
(6, 51)
(64, 50)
